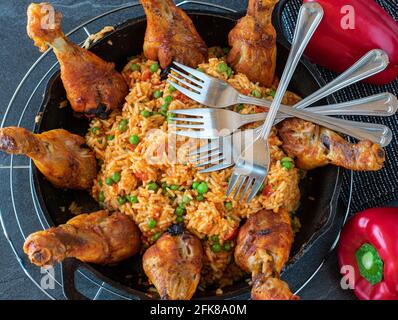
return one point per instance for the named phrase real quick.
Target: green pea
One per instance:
(239, 107)
(256, 94)
(179, 211)
(228, 206)
(200, 198)
(171, 89)
(164, 108)
(287, 165)
(202, 188)
(123, 125)
(229, 72)
(110, 137)
(146, 113)
(216, 248)
(180, 219)
(135, 67)
(101, 196)
(195, 185)
(200, 69)
(272, 93)
(154, 67)
(132, 199)
(156, 236)
(109, 181)
(174, 187)
(152, 186)
(121, 200)
(226, 50)
(227, 246)
(157, 94)
(168, 99)
(134, 139)
(95, 130)
(151, 223)
(100, 183)
(222, 67)
(116, 177)
(214, 238)
(100, 162)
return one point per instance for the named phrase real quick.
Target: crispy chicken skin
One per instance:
(253, 43)
(314, 146)
(171, 35)
(58, 155)
(99, 237)
(262, 249)
(93, 86)
(173, 264)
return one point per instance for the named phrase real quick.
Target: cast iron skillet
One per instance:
(323, 184)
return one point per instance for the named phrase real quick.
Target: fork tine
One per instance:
(255, 189)
(185, 83)
(199, 158)
(198, 74)
(218, 167)
(211, 161)
(232, 183)
(188, 126)
(187, 76)
(241, 184)
(247, 186)
(190, 94)
(189, 112)
(205, 148)
(195, 120)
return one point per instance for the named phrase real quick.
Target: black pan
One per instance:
(322, 184)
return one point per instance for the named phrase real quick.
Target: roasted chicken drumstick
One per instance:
(173, 264)
(262, 249)
(93, 86)
(314, 146)
(253, 43)
(171, 35)
(58, 155)
(98, 237)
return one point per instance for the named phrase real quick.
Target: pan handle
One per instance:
(69, 268)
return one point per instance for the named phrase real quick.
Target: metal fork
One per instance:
(252, 167)
(209, 123)
(216, 93)
(223, 151)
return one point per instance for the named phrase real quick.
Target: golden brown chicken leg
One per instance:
(98, 237)
(253, 42)
(93, 86)
(315, 146)
(171, 35)
(173, 265)
(58, 155)
(262, 249)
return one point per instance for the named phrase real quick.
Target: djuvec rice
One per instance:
(135, 151)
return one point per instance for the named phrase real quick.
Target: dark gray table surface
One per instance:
(16, 56)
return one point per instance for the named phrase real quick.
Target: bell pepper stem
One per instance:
(369, 263)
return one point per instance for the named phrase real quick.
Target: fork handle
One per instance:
(370, 64)
(376, 133)
(380, 105)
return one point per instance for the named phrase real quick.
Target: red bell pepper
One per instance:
(369, 244)
(351, 28)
